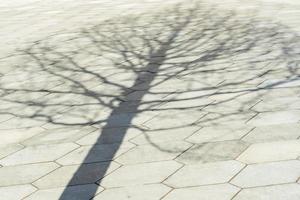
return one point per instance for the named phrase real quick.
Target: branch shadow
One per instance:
(152, 73)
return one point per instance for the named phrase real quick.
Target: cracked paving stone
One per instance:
(40, 153)
(211, 152)
(78, 192)
(271, 151)
(204, 174)
(145, 173)
(76, 175)
(275, 192)
(268, 174)
(210, 192)
(138, 192)
(23, 174)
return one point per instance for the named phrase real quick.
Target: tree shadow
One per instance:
(181, 67)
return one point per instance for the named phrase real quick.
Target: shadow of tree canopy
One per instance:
(180, 67)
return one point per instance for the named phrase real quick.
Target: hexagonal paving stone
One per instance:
(17, 122)
(211, 192)
(95, 153)
(109, 135)
(5, 150)
(275, 192)
(272, 151)
(140, 174)
(204, 174)
(220, 133)
(225, 118)
(18, 135)
(16, 192)
(23, 174)
(170, 135)
(78, 192)
(281, 103)
(274, 133)
(153, 152)
(211, 152)
(273, 118)
(145, 192)
(40, 153)
(174, 119)
(76, 174)
(59, 135)
(268, 174)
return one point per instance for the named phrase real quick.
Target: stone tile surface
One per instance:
(147, 192)
(16, 192)
(212, 152)
(18, 135)
(276, 192)
(271, 151)
(6, 150)
(273, 133)
(138, 95)
(268, 174)
(25, 173)
(69, 193)
(153, 152)
(145, 173)
(70, 175)
(95, 153)
(40, 153)
(220, 133)
(216, 192)
(204, 174)
(59, 135)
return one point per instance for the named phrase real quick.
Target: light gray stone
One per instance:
(18, 135)
(95, 153)
(78, 192)
(23, 174)
(109, 135)
(204, 174)
(211, 152)
(40, 153)
(220, 133)
(274, 133)
(275, 192)
(145, 173)
(274, 118)
(215, 192)
(153, 152)
(16, 192)
(5, 150)
(75, 175)
(268, 174)
(160, 136)
(145, 192)
(271, 151)
(59, 135)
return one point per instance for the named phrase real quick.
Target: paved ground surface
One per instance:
(149, 100)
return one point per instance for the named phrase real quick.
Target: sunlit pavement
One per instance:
(150, 100)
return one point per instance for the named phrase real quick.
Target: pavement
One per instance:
(150, 100)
